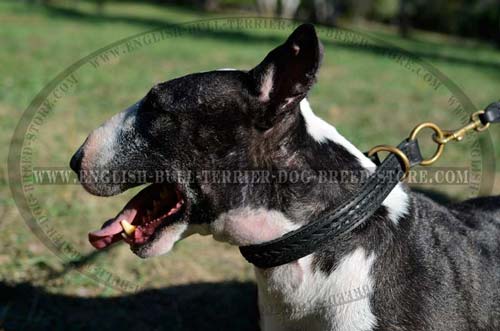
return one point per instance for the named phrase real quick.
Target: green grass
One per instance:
(368, 96)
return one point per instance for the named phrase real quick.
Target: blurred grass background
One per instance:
(367, 96)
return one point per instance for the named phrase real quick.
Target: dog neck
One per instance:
(302, 289)
(334, 150)
(303, 144)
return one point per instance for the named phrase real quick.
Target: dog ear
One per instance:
(287, 73)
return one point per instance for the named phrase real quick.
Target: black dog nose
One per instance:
(76, 161)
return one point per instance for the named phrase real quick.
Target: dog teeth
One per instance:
(127, 227)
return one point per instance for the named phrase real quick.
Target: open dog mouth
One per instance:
(153, 208)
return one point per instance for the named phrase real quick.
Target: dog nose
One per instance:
(76, 161)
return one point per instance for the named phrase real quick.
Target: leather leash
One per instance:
(359, 207)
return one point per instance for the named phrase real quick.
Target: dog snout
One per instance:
(101, 162)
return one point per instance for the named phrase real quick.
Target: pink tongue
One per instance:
(111, 229)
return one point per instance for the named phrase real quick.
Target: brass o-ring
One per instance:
(391, 149)
(439, 135)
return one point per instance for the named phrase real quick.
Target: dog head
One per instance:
(204, 124)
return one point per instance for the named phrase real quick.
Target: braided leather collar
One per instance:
(355, 211)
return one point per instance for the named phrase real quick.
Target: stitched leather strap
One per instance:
(338, 222)
(491, 114)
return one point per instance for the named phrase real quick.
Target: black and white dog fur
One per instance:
(415, 265)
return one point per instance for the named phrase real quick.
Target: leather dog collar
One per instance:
(335, 223)
(359, 207)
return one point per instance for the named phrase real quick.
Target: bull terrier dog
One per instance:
(414, 265)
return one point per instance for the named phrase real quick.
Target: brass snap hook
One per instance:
(440, 137)
(479, 125)
(459, 134)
